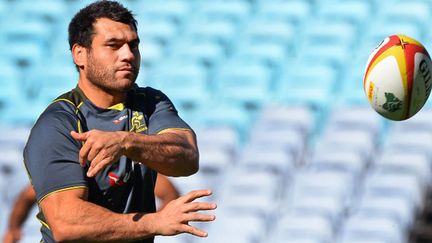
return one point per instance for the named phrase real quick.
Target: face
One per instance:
(113, 60)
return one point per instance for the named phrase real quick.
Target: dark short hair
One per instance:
(81, 26)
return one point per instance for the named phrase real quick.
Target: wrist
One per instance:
(124, 140)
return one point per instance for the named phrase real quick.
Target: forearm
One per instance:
(87, 222)
(167, 153)
(20, 211)
(19, 215)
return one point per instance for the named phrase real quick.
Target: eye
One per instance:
(113, 45)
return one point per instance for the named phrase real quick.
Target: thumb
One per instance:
(79, 136)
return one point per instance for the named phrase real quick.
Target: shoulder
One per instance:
(60, 116)
(149, 93)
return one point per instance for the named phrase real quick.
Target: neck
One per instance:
(101, 98)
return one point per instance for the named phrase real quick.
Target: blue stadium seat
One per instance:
(413, 12)
(185, 82)
(46, 85)
(398, 184)
(261, 157)
(372, 227)
(348, 162)
(175, 10)
(353, 11)
(152, 51)
(207, 51)
(160, 29)
(302, 225)
(234, 10)
(219, 137)
(245, 83)
(395, 208)
(222, 31)
(272, 54)
(280, 116)
(49, 11)
(237, 227)
(293, 11)
(269, 30)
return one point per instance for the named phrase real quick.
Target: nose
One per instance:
(126, 54)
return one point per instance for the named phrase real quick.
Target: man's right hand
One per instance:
(174, 218)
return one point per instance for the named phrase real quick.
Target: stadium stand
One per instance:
(273, 88)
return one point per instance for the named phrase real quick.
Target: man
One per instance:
(164, 190)
(93, 154)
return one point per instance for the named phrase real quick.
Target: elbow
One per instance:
(193, 162)
(189, 164)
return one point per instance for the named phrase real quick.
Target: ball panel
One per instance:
(421, 84)
(388, 92)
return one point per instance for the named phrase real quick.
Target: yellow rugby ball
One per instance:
(397, 79)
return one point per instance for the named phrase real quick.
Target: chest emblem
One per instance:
(138, 123)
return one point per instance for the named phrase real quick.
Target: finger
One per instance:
(194, 195)
(196, 206)
(97, 165)
(83, 153)
(194, 231)
(94, 152)
(79, 136)
(197, 217)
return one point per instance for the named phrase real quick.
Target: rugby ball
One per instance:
(397, 78)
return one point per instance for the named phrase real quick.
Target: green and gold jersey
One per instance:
(51, 154)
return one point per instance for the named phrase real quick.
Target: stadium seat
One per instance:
(159, 29)
(395, 184)
(293, 11)
(234, 10)
(49, 11)
(345, 161)
(222, 31)
(392, 207)
(373, 227)
(268, 30)
(328, 207)
(244, 83)
(184, 82)
(267, 158)
(414, 12)
(280, 116)
(219, 137)
(153, 51)
(206, 51)
(354, 12)
(417, 164)
(305, 225)
(174, 10)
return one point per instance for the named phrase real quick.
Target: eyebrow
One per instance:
(113, 39)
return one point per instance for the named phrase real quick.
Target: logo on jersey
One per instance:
(138, 123)
(117, 121)
(115, 180)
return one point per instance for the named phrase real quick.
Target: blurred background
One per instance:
(274, 90)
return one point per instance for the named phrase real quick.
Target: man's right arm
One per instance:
(72, 218)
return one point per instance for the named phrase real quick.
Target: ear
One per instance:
(79, 54)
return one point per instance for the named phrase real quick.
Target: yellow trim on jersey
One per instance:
(63, 99)
(43, 223)
(61, 190)
(173, 128)
(119, 107)
(28, 173)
